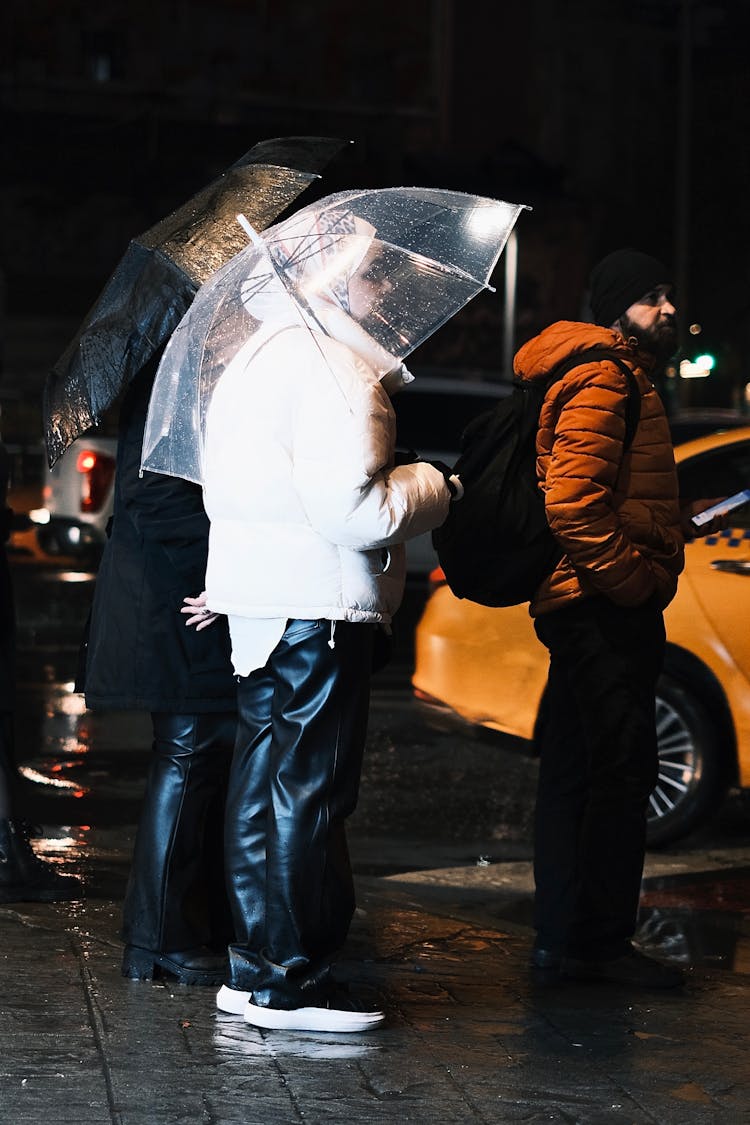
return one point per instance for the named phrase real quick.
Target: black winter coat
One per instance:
(139, 653)
(7, 604)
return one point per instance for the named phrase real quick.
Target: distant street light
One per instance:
(697, 368)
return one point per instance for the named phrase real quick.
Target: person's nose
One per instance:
(667, 308)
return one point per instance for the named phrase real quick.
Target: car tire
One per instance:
(692, 780)
(47, 541)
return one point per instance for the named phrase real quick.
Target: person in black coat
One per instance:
(24, 877)
(139, 654)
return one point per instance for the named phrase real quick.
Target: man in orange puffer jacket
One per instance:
(615, 512)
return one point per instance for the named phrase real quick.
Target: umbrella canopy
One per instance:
(379, 270)
(160, 273)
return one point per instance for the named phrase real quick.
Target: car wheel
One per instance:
(47, 541)
(691, 779)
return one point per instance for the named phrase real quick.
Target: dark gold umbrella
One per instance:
(159, 274)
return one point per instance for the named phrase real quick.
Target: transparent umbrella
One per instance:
(160, 273)
(380, 270)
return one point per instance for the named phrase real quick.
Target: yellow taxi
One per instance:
(488, 666)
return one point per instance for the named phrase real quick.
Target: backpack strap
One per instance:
(633, 409)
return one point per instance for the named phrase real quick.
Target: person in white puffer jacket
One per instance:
(309, 514)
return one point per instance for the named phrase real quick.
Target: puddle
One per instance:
(701, 918)
(234, 1037)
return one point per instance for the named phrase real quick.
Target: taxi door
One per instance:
(718, 566)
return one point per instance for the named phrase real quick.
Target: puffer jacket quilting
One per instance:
(308, 514)
(615, 514)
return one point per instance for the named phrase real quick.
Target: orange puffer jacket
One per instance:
(615, 514)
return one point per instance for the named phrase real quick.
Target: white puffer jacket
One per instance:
(308, 518)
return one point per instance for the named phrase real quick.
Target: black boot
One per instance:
(175, 914)
(24, 877)
(188, 966)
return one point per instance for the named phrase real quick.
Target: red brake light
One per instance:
(97, 470)
(86, 461)
(436, 578)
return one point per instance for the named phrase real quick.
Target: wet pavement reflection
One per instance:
(441, 843)
(431, 799)
(702, 918)
(237, 1039)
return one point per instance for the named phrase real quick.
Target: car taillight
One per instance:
(97, 470)
(436, 579)
(425, 697)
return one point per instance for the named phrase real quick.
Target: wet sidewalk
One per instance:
(468, 1038)
(440, 845)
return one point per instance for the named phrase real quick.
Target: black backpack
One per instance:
(496, 547)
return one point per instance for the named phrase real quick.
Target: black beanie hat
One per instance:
(621, 279)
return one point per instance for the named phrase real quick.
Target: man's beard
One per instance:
(660, 341)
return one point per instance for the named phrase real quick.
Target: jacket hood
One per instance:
(389, 370)
(538, 356)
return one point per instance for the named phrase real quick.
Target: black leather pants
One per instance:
(8, 774)
(295, 779)
(176, 895)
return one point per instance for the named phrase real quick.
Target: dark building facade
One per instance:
(620, 123)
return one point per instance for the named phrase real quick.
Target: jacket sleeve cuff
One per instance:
(458, 489)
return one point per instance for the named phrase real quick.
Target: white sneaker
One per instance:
(312, 1019)
(231, 1000)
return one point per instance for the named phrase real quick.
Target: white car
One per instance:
(77, 498)
(78, 493)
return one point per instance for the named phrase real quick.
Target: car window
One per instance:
(685, 429)
(436, 421)
(720, 472)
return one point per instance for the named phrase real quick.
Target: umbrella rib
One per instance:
(441, 266)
